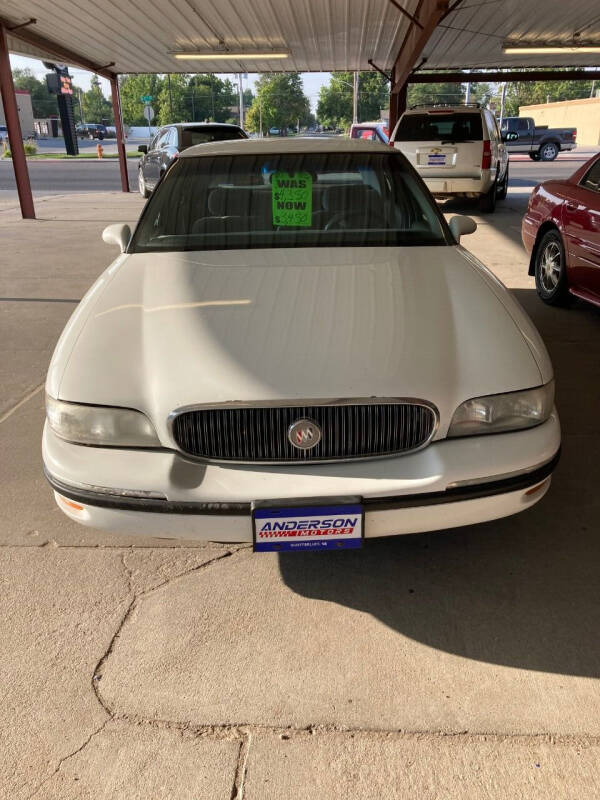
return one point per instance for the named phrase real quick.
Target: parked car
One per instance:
(457, 150)
(561, 230)
(172, 140)
(274, 132)
(3, 133)
(370, 131)
(91, 130)
(290, 340)
(540, 141)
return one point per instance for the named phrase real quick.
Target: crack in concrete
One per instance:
(111, 714)
(134, 598)
(63, 759)
(237, 791)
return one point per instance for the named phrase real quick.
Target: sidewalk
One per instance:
(459, 665)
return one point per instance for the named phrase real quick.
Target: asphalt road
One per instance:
(59, 177)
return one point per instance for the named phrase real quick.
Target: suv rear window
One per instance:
(191, 136)
(440, 126)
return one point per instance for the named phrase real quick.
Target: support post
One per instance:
(397, 103)
(116, 104)
(15, 138)
(355, 98)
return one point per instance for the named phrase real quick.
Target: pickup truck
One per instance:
(540, 142)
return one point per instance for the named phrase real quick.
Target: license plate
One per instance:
(311, 527)
(436, 160)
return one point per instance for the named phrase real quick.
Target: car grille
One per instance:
(348, 431)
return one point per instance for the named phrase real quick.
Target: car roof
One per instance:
(203, 125)
(295, 144)
(444, 109)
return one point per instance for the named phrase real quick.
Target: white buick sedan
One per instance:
(293, 350)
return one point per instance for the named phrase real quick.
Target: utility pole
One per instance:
(355, 99)
(260, 115)
(241, 90)
(193, 109)
(593, 87)
(468, 94)
(502, 102)
(81, 108)
(170, 98)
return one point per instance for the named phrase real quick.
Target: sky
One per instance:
(312, 80)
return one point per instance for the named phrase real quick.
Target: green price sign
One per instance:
(292, 199)
(147, 98)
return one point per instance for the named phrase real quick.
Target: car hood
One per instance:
(162, 331)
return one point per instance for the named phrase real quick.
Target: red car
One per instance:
(561, 230)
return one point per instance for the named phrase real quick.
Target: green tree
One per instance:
(527, 93)
(281, 98)
(210, 98)
(96, 108)
(173, 100)
(335, 104)
(430, 93)
(42, 102)
(132, 89)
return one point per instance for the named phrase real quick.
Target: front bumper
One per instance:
(451, 483)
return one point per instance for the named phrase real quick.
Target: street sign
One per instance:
(149, 113)
(147, 98)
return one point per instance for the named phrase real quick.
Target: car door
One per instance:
(152, 161)
(520, 126)
(581, 226)
(169, 149)
(499, 153)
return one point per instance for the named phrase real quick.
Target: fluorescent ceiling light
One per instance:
(556, 49)
(223, 55)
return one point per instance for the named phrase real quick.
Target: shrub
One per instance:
(30, 150)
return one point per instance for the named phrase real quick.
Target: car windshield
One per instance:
(191, 136)
(289, 200)
(438, 126)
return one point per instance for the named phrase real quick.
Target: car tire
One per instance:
(534, 156)
(549, 151)
(503, 188)
(551, 280)
(144, 191)
(487, 201)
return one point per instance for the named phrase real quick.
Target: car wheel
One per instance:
(142, 184)
(487, 201)
(503, 188)
(551, 269)
(534, 156)
(548, 151)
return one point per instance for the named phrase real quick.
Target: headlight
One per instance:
(503, 412)
(100, 425)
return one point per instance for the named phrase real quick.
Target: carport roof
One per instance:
(126, 36)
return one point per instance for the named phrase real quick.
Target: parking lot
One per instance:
(461, 663)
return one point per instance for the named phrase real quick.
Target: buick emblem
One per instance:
(304, 434)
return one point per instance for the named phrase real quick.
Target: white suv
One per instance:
(457, 150)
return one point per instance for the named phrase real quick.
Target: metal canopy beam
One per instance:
(430, 13)
(509, 77)
(63, 54)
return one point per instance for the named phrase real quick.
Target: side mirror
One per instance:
(143, 148)
(461, 226)
(121, 234)
(510, 136)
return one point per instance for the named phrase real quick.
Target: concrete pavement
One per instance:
(459, 664)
